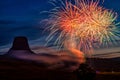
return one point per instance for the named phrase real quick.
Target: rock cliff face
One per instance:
(19, 44)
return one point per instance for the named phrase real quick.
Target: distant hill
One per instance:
(105, 64)
(15, 69)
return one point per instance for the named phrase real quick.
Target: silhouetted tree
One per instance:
(85, 72)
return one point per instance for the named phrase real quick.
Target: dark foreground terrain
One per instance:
(14, 69)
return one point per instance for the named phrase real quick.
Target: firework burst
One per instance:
(81, 24)
(99, 24)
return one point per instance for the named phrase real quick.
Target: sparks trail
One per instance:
(82, 23)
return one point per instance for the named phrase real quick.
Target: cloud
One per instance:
(107, 52)
(53, 59)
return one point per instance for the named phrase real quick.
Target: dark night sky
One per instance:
(22, 18)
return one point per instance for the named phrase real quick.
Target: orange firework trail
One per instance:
(64, 19)
(82, 23)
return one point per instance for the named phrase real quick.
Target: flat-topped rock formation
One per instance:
(20, 45)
